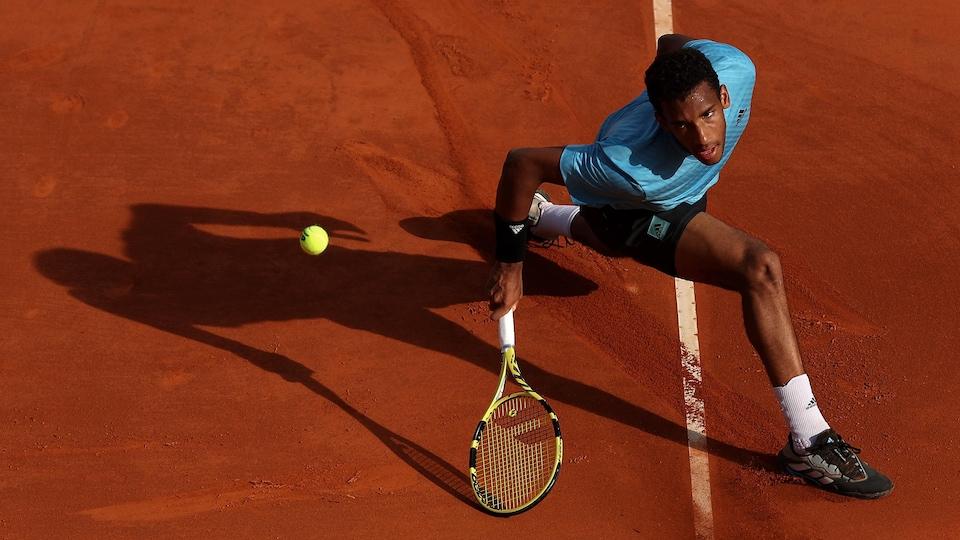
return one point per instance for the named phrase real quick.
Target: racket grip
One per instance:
(507, 338)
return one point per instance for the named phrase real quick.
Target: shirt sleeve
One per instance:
(591, 178)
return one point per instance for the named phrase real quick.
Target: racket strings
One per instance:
(516, 454)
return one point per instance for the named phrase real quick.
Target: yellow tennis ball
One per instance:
(314, 240)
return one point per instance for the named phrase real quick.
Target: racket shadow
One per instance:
(426, 463)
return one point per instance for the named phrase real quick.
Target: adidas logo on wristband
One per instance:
(517, 229)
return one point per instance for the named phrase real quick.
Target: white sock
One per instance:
(555, 220)
(801, 411)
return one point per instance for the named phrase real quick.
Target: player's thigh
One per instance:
(583, 233)
(710, 251)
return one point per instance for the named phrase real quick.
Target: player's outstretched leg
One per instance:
(712, 252)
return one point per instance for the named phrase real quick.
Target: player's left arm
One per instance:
(524, 170)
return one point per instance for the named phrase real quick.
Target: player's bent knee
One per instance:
(761, 268)
(521, 160)
(515, 160)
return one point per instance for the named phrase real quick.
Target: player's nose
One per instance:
(703, 137)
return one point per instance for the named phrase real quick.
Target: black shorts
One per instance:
(647, 236)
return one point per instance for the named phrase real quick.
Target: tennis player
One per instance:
(640, 191)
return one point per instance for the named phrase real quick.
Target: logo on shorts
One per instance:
(517, 228)
(658, 228)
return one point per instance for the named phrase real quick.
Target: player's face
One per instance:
(697, 122)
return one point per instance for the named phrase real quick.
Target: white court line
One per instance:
(662, 17)
(693, 407)
(690, 360)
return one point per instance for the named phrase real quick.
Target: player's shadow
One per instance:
(179, 277)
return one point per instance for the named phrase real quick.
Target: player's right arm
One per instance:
(524, 170)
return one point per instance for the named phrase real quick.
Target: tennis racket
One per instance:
(516, 451)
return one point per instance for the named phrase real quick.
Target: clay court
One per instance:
(173, 366)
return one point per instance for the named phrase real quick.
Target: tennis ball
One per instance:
(314, 240)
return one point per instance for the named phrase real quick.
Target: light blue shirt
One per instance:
(636, 164)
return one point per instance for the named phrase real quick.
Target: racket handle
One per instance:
(507, 338)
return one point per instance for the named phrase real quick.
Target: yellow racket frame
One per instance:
(509, 364)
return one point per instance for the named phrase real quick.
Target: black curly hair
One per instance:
(672, 76)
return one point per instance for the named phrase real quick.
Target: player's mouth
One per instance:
(708, 154)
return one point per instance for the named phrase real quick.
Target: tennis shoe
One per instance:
(833, 464)
(539, 199)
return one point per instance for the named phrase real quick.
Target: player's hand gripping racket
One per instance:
(516, 451)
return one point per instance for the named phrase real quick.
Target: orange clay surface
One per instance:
(173, 366)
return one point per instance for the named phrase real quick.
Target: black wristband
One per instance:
(511, 239)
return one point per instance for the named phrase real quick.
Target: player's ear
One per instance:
(724, 96)
(660, 119)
